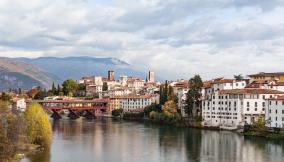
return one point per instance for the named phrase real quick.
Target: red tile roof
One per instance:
(250, 91)
(276, 98)
(266, 74)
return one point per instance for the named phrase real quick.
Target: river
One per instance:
(110, 140)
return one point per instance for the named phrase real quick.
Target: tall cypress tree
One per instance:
(166, 92)
(58, 89)
(53, 89)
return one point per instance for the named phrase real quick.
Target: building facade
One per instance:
(235, 107)
(274, 114)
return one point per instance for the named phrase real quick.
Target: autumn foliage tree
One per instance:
(38, 126)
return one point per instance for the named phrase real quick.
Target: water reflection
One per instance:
(107, 140)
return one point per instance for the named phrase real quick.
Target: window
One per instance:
(263, 104)
(255, 104)
(270, 111)
(255, 109)
(263, 97)
(282, 111)
(247, 109)
(276, 103)
(276, 118)
(247, 104)
(275, 111)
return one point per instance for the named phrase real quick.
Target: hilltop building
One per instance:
(110, 75)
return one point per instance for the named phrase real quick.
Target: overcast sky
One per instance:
(176, 38)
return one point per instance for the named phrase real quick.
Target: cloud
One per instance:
(175, 38)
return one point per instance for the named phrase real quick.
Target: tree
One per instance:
(33, 92)
(194, 94)
(69, 87)
(170, 109)
(5, 97)
(53, 89)
(260, 123)
(58, 89)
(105, 86)
(165, 93)
(153, 107)
(38, 126)
(42, 94)
(116, 112)
(11, 128)
(171, 95)
(238, 77)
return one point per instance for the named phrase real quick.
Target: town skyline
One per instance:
(217, 37)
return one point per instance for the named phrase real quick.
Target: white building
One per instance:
(123, 80)
(19, 104)
(137, 103)
(135, 83)
(119, 92)
(181, 88)
(235, 107)
(274, 114)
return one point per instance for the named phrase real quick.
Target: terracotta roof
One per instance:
(276, 98)
(279, 84)
(69, 101)
(208, 83)
(133, 96)
(250, 91)
(223, 81)
(266, 74)
(182, 84)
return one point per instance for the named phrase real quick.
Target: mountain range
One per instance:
(27, 72)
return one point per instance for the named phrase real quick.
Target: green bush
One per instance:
(116, 112)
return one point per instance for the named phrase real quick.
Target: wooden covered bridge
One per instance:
(76, 107)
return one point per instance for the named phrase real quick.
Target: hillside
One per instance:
(16, 74)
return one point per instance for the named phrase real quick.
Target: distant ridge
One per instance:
(76, 67)
(15, 74)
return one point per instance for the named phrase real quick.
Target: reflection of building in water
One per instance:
(229, 147)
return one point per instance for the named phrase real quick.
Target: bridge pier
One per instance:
(89, 114)
(73, 114)
(55, 115)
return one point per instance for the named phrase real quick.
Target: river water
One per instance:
(110, 140)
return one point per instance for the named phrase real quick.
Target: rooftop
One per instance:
(250, 91)
(266, 74)
(276, 98)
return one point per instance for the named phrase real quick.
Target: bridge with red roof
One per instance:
(76, 107)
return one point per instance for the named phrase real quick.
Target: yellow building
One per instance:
(279, 76)
(114, 103)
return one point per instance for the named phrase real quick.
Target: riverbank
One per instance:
(267, 133)
(183, 124)
(25, 149)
